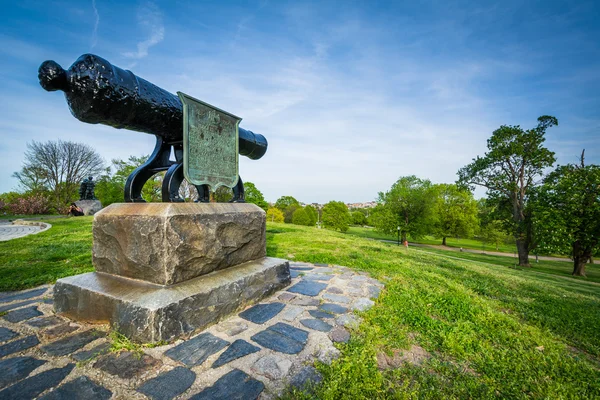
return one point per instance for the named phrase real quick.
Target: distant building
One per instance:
(368, 204)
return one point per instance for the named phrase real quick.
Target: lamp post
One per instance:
(398, 236)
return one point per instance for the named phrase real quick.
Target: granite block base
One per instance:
(146, 312)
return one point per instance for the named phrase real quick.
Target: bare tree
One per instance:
(59, 166)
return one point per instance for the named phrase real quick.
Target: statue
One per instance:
(99, 92)
(83, 189)
(86, 190)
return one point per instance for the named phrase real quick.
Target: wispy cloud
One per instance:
(96, 23)
(150, 21)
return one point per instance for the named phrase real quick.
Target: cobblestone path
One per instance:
(256, 354)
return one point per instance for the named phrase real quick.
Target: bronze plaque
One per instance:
(210, 144)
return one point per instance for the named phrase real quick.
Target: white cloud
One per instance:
(94, 40)
(150, 22)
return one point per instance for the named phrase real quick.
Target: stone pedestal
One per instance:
(89, 207)
(167, 269)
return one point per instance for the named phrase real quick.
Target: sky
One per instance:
(351, 95)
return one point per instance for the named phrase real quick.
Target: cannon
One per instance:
(98, 92)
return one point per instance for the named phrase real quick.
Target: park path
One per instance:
(490, 253)
(10, 231)
(440, 247)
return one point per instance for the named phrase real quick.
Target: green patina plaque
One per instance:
(210, 144)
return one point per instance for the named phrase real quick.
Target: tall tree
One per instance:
(336, 216)
(455, 212)
(60, 166)
(254, 196)
(301, 217)
(312, 214)
(513, 165)
(407, 206)
(288, 212)
(285, 201)
(569, 212)
(492, 228)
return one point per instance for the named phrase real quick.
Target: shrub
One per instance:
(274, 215)
(301, 217)
(29, 205)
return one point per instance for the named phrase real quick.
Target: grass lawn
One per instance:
(450, 242)
(63, 250)
(559, 268)
(490, 331)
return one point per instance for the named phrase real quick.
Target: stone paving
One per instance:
(256, 354)
(21, 228)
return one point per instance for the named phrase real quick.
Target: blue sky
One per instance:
(350, 95)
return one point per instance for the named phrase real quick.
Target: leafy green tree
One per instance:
(111, 188)
(514, 162)
(569, 216)
(254, 196)
(285, 201)
(301, 217)
(493, 234)
(492, 229)
(288, 213)
(455, 212)
(409, 204)
(222, 195)
(312, 214)
(274, 215)
(358, 218)
(336, 216)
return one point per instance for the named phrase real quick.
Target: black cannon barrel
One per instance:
(100, 93)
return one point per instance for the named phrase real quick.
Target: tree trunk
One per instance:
(444, 241)
(581, 255)
(579, 266)
(523, 253)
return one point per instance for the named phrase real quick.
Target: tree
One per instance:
(312, 214)
(359, 218)
(59, 166)
(111, 188)
(222, 195)
(336, 216)
(409, 204)
(491, 227)
(288, 213)
(512, 166)
(301, 217)
(455, 212)
(32, 178)
(569, 216)
(285, 201)
(254, 196)
(274, 215)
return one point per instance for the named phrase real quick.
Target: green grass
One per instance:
(491, 331)
(63, 250)
(558, 268)
(450, 242)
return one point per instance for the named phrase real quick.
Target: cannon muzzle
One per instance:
(98, 92)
